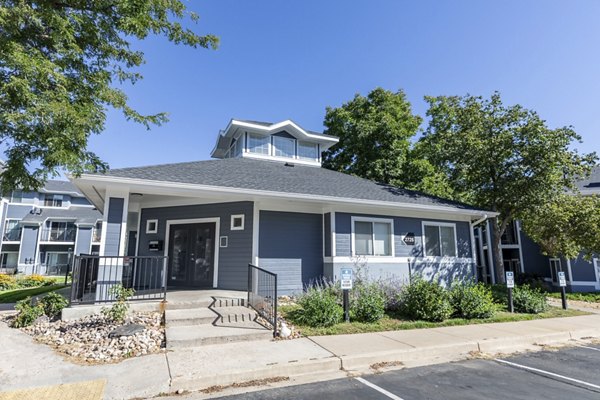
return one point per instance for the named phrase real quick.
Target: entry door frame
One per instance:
(216, 221)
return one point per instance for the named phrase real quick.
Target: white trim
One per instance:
(291, 160)
(390, 221)
(552, 277)
(223, 239)
(490, 251)
(151, 221)
(438, 224)
(216, 221)
(397, 260)
(518, 228)
(233, 218)
(570, 272)
(255, 232)
(473, 252)
(188, 188)
(333, 235)
(596, 264)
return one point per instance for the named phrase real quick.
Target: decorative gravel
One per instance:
(87, 339)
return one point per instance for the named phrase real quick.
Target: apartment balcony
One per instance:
(13, 235)
(96, 235)
(59, 235)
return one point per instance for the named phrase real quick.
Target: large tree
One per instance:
(62, 64)
(501, 158)
(567, 226)
(375, 135)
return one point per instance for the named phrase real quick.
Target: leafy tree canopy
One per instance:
(501, 158)
(375, 133)
(567, 226)
(60, 65)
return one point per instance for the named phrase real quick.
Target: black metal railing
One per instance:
(93, 276)
(262, 294)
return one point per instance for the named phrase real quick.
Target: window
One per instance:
(97, 232)
(53, 200)
(12, 231)
(258, 144)
(152, 226)
(59, 231)
(308, 151)
(372, 237)
(9, 259)
(510, 234)
(284, 147)
(555, 267)
(237, 222)
(440, 240)
(16, 196)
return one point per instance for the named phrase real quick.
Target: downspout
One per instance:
(473, 252)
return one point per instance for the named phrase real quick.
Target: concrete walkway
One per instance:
(25, 364)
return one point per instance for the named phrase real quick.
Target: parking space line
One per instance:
(379, 389)
(588, 347)
(548, 373)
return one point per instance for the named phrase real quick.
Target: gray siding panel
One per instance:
(84, 238)
(583, 270)
(402, 226)
(17, 211)
(442, 273)
(289, 273)
(29, 240)
(327, 234)
(534, 262)
(233, 259)
(295, 237)
(113, 226)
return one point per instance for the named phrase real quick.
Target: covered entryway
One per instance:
(192, 260)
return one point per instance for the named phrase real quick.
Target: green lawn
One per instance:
(587, 297)
(389, 323)
(12, 296)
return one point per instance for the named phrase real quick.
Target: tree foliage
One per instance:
(375, 133)
(61, 63)
(500, 158)
(567, 226)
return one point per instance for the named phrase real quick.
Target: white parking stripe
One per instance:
(541, 371)
(380, 390)
(589, 348)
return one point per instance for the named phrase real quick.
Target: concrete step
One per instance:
(202, 335)
(190, 316)
(235, 314)
(188, 304)
(228, 302)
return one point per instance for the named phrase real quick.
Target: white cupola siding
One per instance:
(283, 141)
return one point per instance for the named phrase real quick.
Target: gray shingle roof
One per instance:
(56, 186)
(251, 174)
(81, 215)
(592, 183)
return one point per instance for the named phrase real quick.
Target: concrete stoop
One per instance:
(208, 321)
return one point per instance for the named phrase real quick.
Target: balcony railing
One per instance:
(59, 235)
(13, 235)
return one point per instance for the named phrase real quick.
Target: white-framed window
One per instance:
(308, 151)
(284, 147)
(555, 267)
(53, 200)
(16, 196)
(258, 144)
(12, 231)
(237, 222)
(439, 239)
(152, 226)
(9, 259)
(372, 237)
(59, 231)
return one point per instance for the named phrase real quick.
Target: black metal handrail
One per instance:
(262, 294)
(93, 276)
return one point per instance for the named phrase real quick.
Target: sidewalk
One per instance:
(25, 364)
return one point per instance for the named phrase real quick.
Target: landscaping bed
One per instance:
(592, 297)
(88, 339)
(12, 296)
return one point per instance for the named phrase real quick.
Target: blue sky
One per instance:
(292, 59)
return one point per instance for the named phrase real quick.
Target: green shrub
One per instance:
(528, 300)
(319, 308)
(472, 300)
(28, 313)
(7, 282)
(34, 281)
(499, 293)
(118, 311)
(423, 300)
(53, 304)
(368, 303)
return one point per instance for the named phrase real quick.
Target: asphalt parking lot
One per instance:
(570, 373)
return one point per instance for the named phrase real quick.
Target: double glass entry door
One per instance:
(191, 255)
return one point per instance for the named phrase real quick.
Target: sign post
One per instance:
(346, 284)
(562, 282)
(510, 284)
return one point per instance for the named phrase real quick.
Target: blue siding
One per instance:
(583, 270)
(233, 259)
(17, 211)
(84, 238)
(327, 234)
(114, 220)
(402, 226)
(534, 262)
(29, 240)
(291, 245)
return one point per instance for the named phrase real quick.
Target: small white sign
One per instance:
(562, 280)
(510, 279)
(346, 278)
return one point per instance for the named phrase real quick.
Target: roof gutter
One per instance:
(474, 224)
